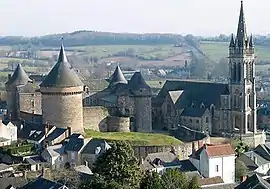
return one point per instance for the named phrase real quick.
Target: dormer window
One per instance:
(202, 105)
(192, 105)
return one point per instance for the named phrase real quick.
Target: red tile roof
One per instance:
(219, 150)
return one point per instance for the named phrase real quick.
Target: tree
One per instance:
(193, 184)
(119, 164)
(98, 182)
(151, 181)
(174, 179)
(240, 169)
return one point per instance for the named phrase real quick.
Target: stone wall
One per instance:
(30, 102)
(254, 140)
(118, 124)
(183, 150)
(63, 111)
(95, 118)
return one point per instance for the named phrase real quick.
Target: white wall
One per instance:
(8, 131)
(226, 168)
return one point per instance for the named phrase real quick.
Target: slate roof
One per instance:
(62, 75)
(194, 92)
(34, 160)
(160, 159)
(31, 131)
(193, 112)
(3, 166)
(220, 186)
(187, 166)
(117, 77)
(19, 77)
(14, 181)
(94, 144)
(74, 144)
(83, 169)
(42, 183)
(55, 150)
(255, 181)
(57, 132)
(137, 82)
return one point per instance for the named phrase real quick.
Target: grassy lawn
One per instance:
(135, 138)
(218, 50)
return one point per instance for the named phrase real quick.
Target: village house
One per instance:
(215, 160)
(257, 160)
(8, 133)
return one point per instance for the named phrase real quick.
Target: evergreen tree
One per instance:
(174, 179)
(151, 181)
(193, 184)
(119, 164)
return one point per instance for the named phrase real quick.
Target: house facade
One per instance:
(215, 160)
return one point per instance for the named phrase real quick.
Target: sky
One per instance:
(197, 17)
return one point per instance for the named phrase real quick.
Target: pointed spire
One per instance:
(241, 36)
(251, 41)
(62, 75)
(19, 77)
(62, 54)
(117, 77)
(232, 42)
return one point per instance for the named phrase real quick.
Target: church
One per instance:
(215, 108)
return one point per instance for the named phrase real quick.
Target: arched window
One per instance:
(202, 105)
(234, 72)
(212, 109)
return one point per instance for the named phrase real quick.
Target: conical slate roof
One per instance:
(137, 82)
(62, 75)
(117, 77)
(19, 77)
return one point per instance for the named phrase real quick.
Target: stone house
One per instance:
(92, 150)
(257, 160)
(55, 155)
(161, 161)
(215, 160)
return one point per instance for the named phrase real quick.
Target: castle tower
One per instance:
(242, 79)
(62, 96)
(19, 78)
(142, 94)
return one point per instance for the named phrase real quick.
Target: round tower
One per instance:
(62, 96)
(142, 94)
(19, 78)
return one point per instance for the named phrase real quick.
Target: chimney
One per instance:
(69, 131)
(86, 163)
(46, 129)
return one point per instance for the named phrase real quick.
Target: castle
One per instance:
(57, 100)
(213, 108)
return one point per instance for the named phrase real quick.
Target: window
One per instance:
(206, 120)
(72, 155)
(197, 121)
(216, 168)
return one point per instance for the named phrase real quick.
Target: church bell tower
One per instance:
(242, 79)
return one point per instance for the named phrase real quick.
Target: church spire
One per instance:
(241, 37)
(251, 42)
(232, 42)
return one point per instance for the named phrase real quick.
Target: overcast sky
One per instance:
(198, 17)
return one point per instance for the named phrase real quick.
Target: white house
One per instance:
(8, 133)
(215, 160)
(55, 155)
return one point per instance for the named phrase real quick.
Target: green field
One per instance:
(218, 50)
(135, 138)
